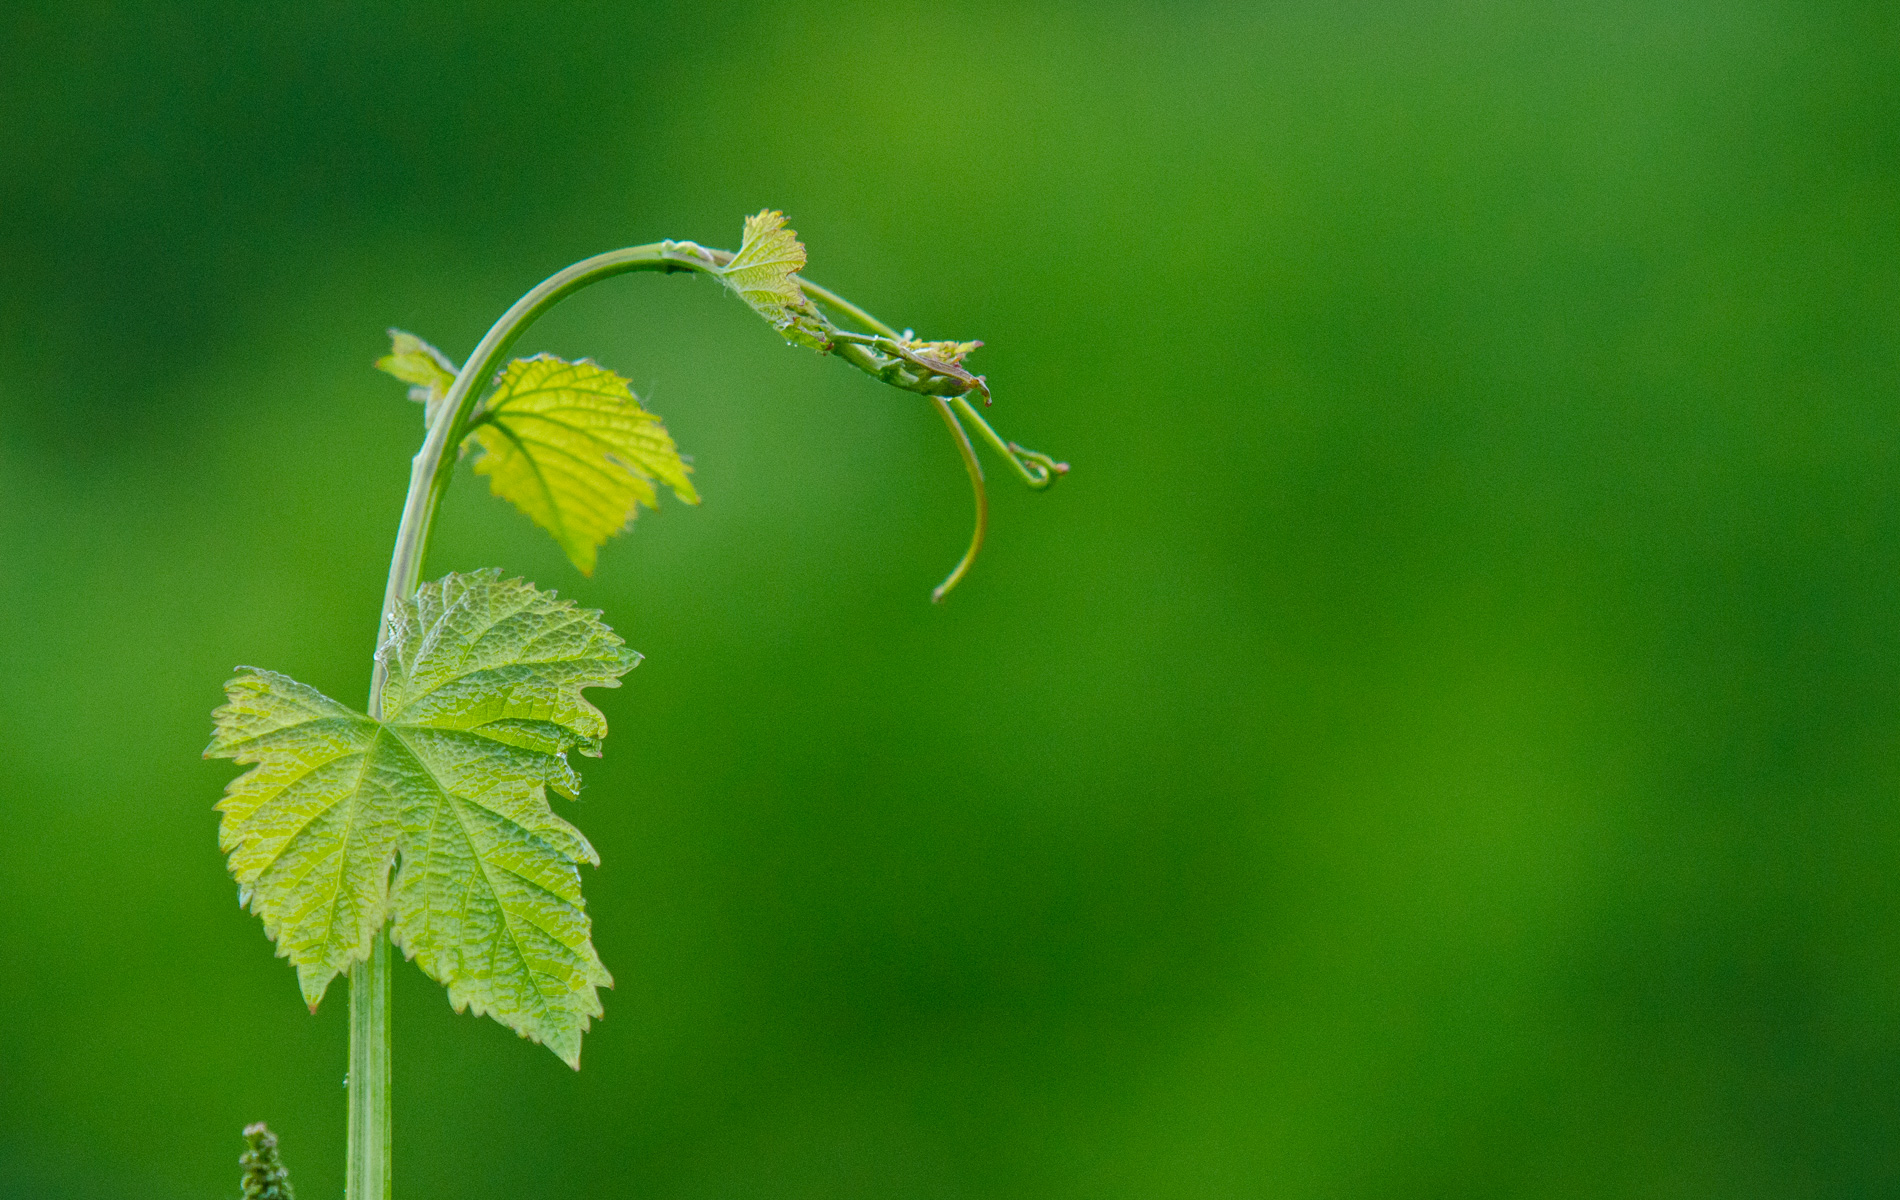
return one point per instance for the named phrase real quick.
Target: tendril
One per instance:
(1037, 469)
(975, 470)
(896, 359)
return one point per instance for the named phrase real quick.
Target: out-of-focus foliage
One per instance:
(1442, 740)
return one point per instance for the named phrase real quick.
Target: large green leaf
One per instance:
(449, 789)
(765, 275)
(568, 444)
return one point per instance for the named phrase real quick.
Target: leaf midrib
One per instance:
(449, 800)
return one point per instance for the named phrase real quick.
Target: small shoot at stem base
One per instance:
(265, 1176)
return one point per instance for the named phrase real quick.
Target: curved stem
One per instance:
(367, 1175)
(1037, 469)
(429, 473)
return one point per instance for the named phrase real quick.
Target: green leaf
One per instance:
(765, 275)
(568, 444)
(449, 789)
(416, 362)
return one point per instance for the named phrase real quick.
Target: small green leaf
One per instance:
(568, 444)
(765, 275)
(416, 362)
(948, 353)
(482, 703)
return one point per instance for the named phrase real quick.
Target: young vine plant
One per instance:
(424, 822)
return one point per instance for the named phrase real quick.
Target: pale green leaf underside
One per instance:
(568, 444)
(482, 703)
(765, 275)
(429, 371)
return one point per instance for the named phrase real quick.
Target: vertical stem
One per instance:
(368, 1175)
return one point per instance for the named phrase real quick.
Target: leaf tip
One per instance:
(313, 979)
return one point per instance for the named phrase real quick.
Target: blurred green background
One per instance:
(1442, 741)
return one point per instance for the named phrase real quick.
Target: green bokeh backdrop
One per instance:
(1443, 739)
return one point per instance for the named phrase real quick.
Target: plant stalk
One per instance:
(367, 1175)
